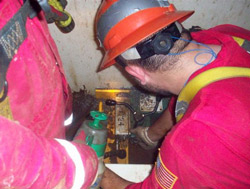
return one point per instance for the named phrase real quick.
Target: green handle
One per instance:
(97, 116)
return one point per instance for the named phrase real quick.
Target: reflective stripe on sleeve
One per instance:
(68, 121)
(76, 158)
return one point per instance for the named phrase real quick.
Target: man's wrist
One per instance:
(155, 137)
(147, 138)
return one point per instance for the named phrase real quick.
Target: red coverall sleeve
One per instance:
(31, 161)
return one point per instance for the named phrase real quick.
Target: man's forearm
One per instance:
(161, 126)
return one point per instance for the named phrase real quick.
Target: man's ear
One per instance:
(137, 72)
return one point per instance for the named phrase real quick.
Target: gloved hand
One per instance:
(142, 136)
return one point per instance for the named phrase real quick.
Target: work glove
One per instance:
(144, 141)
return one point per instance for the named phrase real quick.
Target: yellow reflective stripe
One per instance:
(5, 110)
(56, 4)
(179, 116)
(206, 78)
(240, 41)
(66, 22)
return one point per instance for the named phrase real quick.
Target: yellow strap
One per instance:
(206, 78)
(240, 41)
(5, 110)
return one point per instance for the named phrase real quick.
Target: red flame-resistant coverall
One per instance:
(33, 153)
(210, 146)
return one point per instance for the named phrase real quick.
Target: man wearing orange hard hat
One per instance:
(207, 139)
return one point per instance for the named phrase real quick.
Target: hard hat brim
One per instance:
(142, 33)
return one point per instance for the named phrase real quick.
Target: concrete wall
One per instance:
(79, 50)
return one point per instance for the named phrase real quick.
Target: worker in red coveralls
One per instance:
(33, 105)
(208, 142)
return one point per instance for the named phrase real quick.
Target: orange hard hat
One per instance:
(121, 24)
